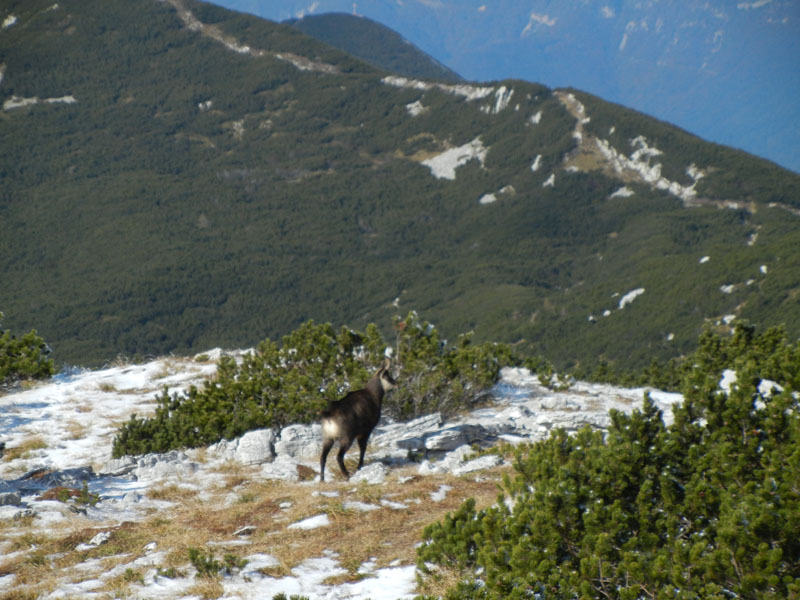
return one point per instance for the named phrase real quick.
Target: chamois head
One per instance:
(384, 375)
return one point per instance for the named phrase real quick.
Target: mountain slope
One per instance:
(375, 44)
(175, 176)
(724, 70)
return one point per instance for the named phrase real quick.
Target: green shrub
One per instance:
(708, 507)
(292, 383)
(23, 358)
(208, 566)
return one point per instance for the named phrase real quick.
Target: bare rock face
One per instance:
(117, 467)
(10, 499)
(253, 448)
(283, 468)
(299, 441)
(164, 466)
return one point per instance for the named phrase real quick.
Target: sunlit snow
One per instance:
(630, 297)
(623, 192)
(444, 165)
(470, 92)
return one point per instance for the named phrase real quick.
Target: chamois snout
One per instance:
(353, 418)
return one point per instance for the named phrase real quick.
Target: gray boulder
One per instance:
(283, 468)
(10, 499)
(117, 467)
(162, 466)
(407, 436)
(253, 448)
(455, 436)
(299, 441)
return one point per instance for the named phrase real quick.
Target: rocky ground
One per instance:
(77, 524)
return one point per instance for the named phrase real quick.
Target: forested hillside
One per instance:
(175, 176)
(374, 43)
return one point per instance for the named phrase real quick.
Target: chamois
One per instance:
(353, 418)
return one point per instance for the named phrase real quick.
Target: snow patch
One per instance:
(623, 192)
(704, 260)
(763, 269)
(551, 181)
(493, 197)
(502, 99)
(536, 119)
(640, 164)
(415, 108)
(767, 388)
(469, 92)
(360, 506)
(727, 381)
(727, 288)
(9, 21)
(444, 165)
(630, 297)
(537, 162)
(311, 523)
(17, 102)
(441, 493)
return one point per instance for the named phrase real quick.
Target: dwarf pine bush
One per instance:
(24, 357)
(293, 382)
(708, 507)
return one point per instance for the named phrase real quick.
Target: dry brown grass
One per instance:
(385, 536)
(207, 588)
(25, 449)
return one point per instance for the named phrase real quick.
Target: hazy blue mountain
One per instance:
(729, 72)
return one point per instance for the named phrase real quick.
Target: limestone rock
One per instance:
(164, 466)
(253, 448)
(299, 441)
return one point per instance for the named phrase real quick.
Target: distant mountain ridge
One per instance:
(374, 43)
(726, 71)
(176, 176)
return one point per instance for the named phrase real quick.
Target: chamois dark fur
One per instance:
(353, 418)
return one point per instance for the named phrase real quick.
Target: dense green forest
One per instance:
(162, 191)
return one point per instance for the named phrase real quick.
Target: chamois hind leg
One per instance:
(344, 446)
(326, 448)
(362, 447)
